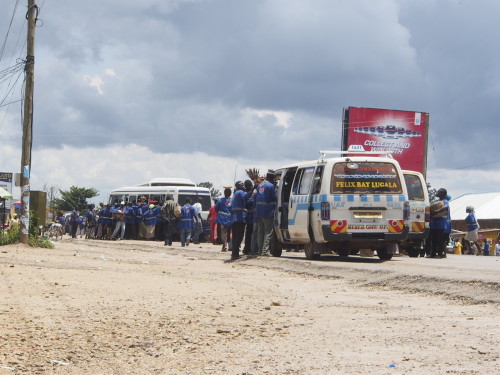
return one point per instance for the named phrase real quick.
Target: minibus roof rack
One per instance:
(323, 154)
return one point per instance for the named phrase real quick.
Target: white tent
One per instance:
(486, 206)
(4, 194)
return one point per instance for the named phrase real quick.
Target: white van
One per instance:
(420, 213)
(341, 204)
(158, 189)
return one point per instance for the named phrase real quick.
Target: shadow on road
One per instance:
(337, 258)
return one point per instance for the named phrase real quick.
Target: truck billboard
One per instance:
(404, 133)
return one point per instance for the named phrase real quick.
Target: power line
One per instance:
(8, 30)
(470, 166)
(9, 103)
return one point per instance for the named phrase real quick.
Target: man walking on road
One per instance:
(198, 226)
(168, 210)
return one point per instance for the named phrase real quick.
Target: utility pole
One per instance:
(28, 122)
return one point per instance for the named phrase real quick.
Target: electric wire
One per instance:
(8, 30)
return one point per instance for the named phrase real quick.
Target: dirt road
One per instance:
(101, 307)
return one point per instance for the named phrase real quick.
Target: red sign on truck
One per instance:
(403, 133)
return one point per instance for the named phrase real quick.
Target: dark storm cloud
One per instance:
(192, 75)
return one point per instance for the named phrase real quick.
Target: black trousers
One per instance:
(237, 233)
(248, 239)
(169, 231)
(438, 242)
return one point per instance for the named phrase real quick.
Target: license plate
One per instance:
(368, 215)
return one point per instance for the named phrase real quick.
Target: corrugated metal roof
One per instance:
(486, 206)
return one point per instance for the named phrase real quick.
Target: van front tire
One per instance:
(311, 250)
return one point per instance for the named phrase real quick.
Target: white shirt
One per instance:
(197, 208)
(497, 249)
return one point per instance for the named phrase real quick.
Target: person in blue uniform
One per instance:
(438, 224)
(247, 249)
(223, 209)
(187, 222)
(472, 229)
(265, 201)
(90, 217)
(130, 228)
(104, 223)
(150, 218)
(238, 216)
(74, 222)
(143, 208)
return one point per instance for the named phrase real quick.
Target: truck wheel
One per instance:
(311, 250)
(384, 254)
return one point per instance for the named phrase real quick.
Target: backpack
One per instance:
(177, 210)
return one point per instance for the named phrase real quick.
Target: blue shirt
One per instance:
(129, 214)
(250, 210)
(105, 216)
(223, 209)
(74, 216)
(441, 222)
(471, 222)
(90, 215)
(265, 200)
(448, 217)
(188, 214)
(150, 216)
(238, 208)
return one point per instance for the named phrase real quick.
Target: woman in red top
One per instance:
(212, 215)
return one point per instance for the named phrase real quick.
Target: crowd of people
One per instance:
(144, 219)
(246, 214)
(243, 216)
(440, 231)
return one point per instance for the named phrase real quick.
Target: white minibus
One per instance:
(357, 200)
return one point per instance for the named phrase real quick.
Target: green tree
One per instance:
(214, 193)
(75, 197)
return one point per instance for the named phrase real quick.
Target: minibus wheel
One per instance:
(343, 252)
(276, 252)
(414, 251)
(312, 251)
(384, 254)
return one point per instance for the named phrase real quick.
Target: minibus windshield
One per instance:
(365, 178)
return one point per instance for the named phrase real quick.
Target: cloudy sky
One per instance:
(129, 90)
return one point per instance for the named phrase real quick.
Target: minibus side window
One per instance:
(303, 180)
(316, 186)
(286, 187)
(296, 182)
